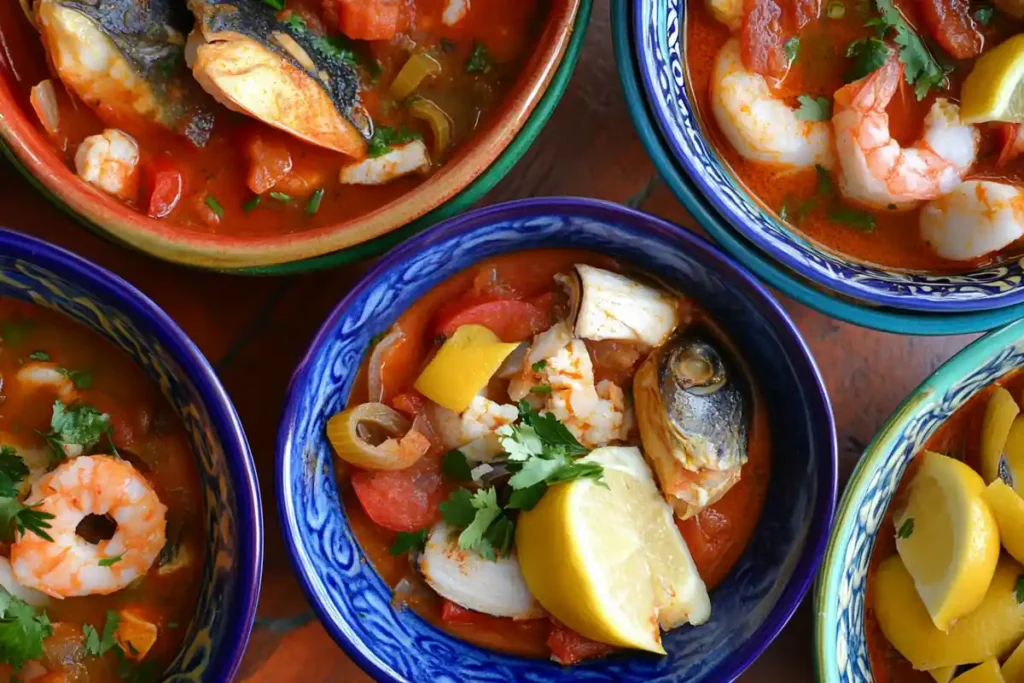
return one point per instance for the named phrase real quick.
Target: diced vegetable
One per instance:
(136, 633)
(439, 122)
(164, 186)
(418, 67)
(1008, 509)
(401, 500)
(376, 437)
(371, 19)
(44, 103)
(995, 428)
(951, 24)
(479, 61)
(269, 162)
(511, 320)
(463, 366)
(569, 647)
(410, 404)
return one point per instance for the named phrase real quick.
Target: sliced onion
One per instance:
(376, 437)
(415, 69)
(375, 379)
(513, 364)
(44, 102)
(440, 123)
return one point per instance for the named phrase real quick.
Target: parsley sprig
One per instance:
(96, 644)
(22, 630)
(14, 515)
(75, 425)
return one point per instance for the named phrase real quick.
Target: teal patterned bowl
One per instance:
(840, 644)
(40, 273)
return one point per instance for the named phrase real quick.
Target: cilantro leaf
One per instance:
(384, 138)
(41, 356)
(813, 108)
(527, 498)
(407, 541)
(520, 442)
(98, 645)
(110, 561)
(479, 61)
(22, 630)
(858, 220)
(458, 510)
(1018, 589)
(24, 518)
(82, 379)
(983, 15)
(541, 389)
(868, 55)
(578, 470)
(76, 425)
(537, 470)
(921, 69)
(792, 211)
(276, 4)
(550, 430)
(12, 471)
(906, 529)
(485, 502)
(500, 535)
(539, 365)
(456, 466)
(792, 49)
(826, 187)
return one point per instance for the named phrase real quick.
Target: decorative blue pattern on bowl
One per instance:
(34, 271)
(658, 29)
(839, 597)
(752, 605)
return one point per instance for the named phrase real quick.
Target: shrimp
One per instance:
(39, 376)
(874, 169)
(69, 566)
(109, 161)
(759, 126)
(976, 218)
(728, 12)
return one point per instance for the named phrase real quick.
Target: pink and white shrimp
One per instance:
(70, 566)
(874, 169)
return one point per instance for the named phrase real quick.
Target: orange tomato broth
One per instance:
(818, 71)
(150, 436)
(716, 537)
(508, 30)
(958, 437)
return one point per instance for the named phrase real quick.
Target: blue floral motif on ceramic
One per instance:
(748, 609)
(658, 27)
(839, 597)
(33, 271)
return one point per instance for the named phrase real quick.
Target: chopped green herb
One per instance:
(793, 211)
(215, 206)
(407, 541)
(456, 466)
(527, 499)
(825, 187)
(16, 516)
(313, 205)
(541, 389)
(921, 69)
(792, 49)
(168, 65)
(473, 537)
(906, 529)
(868, 55)
(336, 47)
(23, 629)
(458, 510)
(835, 10)
(479, 61)
(98, 645)
(173, 624)
(858, 220)
(983, 15)
(250, 204)
(78, 425)
(82, 379)
(281, 197)
(813, 108)
(1018, 589)
(539, 365)
(41, 356)
(110, 561)
(13, 471)
(276, 4)
(384, 138)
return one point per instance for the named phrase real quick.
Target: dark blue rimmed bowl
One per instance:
(758, 597)
(37, 272)
(804, 290)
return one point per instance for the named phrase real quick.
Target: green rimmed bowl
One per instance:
(474, 172)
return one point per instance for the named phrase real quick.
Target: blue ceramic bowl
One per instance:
(40, 273)
(755, 601)
(840, 646)
(657, 40)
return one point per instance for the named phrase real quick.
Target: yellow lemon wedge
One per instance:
(1010, 467)
(1013, 667)
(943, 674)
(1008, 509)
(462, 367)
(607, 560)
(947, 537)
(991, 630)
(995, 430)
(986, 672)
(994, 90)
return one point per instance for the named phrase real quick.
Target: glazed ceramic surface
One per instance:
(841, 647)
(748, 609)
(658, 29)
(50, 277)
(464, 180)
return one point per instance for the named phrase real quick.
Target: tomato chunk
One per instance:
(269, 162)
(569, 647)
(402, 500)
(164, 185)
(1007, 134)
(511, 320)
(951, 24)
(370, 19)
(767, 26)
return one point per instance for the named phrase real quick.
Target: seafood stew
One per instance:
(262, 118)
(872, 128)
(945, 586)
(102, 537)
(526, 417)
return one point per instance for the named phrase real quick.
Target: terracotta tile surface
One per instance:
(255, 330)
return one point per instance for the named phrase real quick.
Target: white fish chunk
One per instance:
(455, 11)
(409, 158)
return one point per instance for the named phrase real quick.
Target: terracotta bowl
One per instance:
(481, 163)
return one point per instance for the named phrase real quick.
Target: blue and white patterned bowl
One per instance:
(658, 32)
(840, 646)
(761, 593)
(34, 271)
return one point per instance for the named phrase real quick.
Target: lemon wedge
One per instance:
(944, 674)
(995, 430)
(1008, 509)
(1013, 667)
(462, 367)
(986, 672)
(1011, 462)
(608, 561)
(992, 630)
(994, 90)
(947, 537)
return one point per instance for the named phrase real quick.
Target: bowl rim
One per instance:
(802, 361)
(826, 586)
(878, 318)
(141, 309)
(821, 276)
(215, 251)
